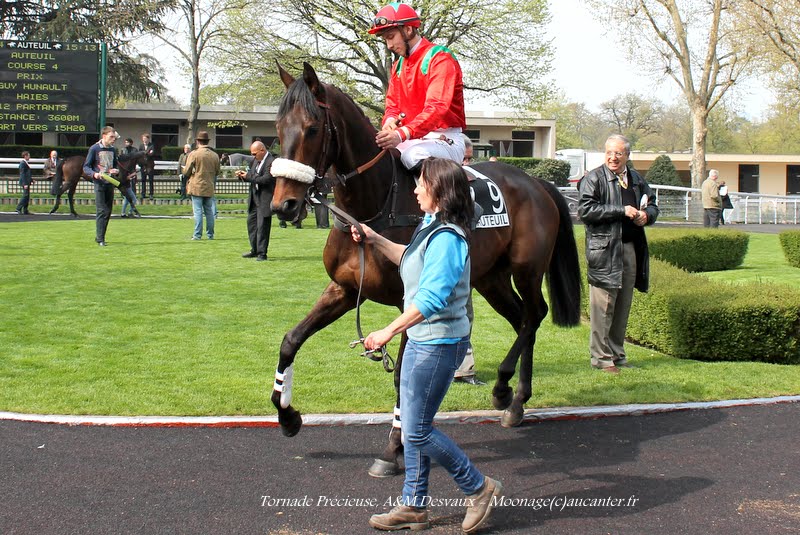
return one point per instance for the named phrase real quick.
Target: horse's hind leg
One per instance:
(332, 304)
(71, 197)
(386, 465)
(535, 310)
(499, 293)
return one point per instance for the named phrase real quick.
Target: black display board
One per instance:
(49, 87)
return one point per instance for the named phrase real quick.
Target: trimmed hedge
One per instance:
(550, 169)
(686, 315)
(38, 151)
(790, 243)
(526, 164)
(689, 316)
(555, 171)
(698, 250)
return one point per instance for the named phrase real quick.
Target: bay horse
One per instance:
(70, 170)
(319, 127)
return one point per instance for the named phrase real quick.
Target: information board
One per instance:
(49, 87)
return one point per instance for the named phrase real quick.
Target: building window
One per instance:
(163, 135)
(793, 180)
(229, 137)
(473, 135)
(271, 142)
(77, 140)
(748, 178)
(501, 147)
(522, 143)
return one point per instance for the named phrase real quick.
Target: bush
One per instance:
(38, 151)
(790, 242)
(555, 171)
(689, 316)
(699, 250)
(526, 164)
(663, 172)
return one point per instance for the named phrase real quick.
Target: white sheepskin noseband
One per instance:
(292, 170)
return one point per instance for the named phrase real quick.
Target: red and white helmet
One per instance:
(393, 15)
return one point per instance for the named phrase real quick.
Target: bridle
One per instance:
(385, 218)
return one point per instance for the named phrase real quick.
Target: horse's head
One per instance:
(306, 139)
(129, 161)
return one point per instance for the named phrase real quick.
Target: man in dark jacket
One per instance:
(259, 200)
(615, 204)
(148, 175)
(25, 181)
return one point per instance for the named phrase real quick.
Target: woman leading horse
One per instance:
(320, 127)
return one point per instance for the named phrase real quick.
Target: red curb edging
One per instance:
(471, 417)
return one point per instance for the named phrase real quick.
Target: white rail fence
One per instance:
(686, 203)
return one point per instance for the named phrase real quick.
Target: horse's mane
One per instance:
(299, 92)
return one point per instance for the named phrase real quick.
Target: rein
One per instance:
(377, 355)
(384, 219)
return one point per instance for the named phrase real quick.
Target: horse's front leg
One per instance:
(334, 302)
(386, 465)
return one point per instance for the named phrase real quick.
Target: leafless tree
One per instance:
(194, 32)
(692, 42)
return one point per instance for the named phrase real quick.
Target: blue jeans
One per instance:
(129, 201)
(202, 205)
(425, 377)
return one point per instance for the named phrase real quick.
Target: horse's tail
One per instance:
(58, 179)
(564, 272)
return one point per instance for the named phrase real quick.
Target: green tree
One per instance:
(555, 171)
(663, 172)
(633, 116)
(501, 45)
(674, 133)
(131, 75)
(576, 126)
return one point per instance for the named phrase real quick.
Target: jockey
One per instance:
(425, 85)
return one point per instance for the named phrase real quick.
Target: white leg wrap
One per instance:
(283, 384)
(396, 424)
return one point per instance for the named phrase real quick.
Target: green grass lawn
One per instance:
(158, 324)
(765, 262)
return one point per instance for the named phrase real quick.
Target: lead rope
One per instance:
(380, 354)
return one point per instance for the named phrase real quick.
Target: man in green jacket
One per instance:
(712, 200)
(202, 168)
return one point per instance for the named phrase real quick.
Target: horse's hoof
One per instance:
(381, 469)
(290, 423)
(502, 397)
(512, 417)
